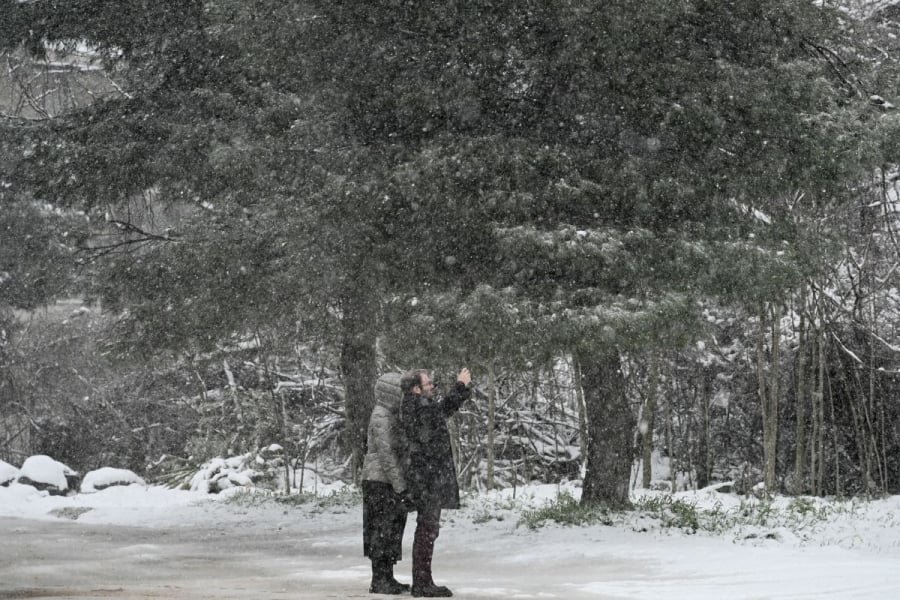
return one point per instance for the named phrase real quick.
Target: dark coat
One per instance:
(430, 472)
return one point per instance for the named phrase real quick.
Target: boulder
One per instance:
(220, 474)
(44, 473)
(8, 473)
(94, 481)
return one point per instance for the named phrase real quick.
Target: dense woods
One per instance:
(659, 233)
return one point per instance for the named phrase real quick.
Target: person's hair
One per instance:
(411, 379)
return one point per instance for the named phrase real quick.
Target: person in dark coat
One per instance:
(383, 487)
(431, 483)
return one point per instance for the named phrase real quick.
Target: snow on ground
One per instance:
(789, 549)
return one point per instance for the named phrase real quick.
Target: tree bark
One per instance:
(670, 442)
(762, 386)
(771, 442)
(582, 418)
(769, 390)
(851, 383)
(492, 400)
(820, 484)
(800, 400)
(611, 425)
(704, 445)
(358, 370)
(648, 424)
(816, 408)
(872, 414)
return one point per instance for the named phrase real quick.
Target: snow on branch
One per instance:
(847, 350)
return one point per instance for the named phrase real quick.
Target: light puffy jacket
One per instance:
(385, 441)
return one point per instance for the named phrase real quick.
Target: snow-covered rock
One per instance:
(44, 473)
(272, 454)
(220, 474)
(94, 481)
(8, 473)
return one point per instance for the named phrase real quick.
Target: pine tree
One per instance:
(606, 162)
(603, 163)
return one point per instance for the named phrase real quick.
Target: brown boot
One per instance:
(432, 591)
(423, 550)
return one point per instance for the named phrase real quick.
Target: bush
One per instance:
(566, 510)
(671, 513)
(335, 501)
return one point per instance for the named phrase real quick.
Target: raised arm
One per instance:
(458, 394)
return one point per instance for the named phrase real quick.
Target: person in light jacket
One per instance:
(385, 505)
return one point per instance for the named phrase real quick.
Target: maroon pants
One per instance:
(428, 525)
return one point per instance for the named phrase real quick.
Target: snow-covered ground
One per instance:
(145, 541)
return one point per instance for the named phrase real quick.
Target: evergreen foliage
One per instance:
(35, 257)
(499, 183)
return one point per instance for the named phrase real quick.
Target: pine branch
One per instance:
(23, 88)
(129, 227)
(145, 237)
(834, 61)
(20, 118)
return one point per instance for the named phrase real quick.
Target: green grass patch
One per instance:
(338, 501)
(799, 515)
(565, 510)
(673, 513)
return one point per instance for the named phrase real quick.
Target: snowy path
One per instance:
(76, 560)
(211, 549)
(43, 559)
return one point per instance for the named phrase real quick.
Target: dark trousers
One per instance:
(428, 526)
(384, 519)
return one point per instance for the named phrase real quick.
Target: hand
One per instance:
(464, 377)
(407, 502)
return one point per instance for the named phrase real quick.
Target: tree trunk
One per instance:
(771, 442)
(704, 450)
(816, 408)
(800, 401)
(872, 414)
(358, 369)
(820, 485)
(762, 386)
(611, 424)
(455, 452)
(851, 382)
(492, 401)
(279, 414)
(769, 391)
(648, 423)
(885, 483)
(582, 418)
(670, 442)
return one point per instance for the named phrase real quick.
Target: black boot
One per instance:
(383, 581)
(423, 549)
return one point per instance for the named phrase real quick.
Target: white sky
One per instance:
(481, 552)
